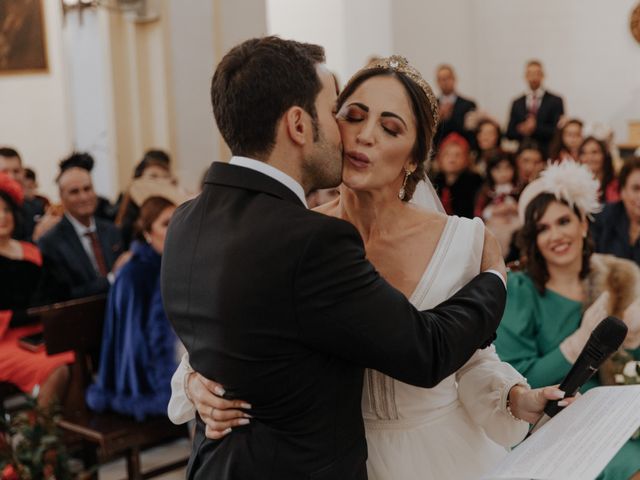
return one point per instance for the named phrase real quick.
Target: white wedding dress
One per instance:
(459, 429)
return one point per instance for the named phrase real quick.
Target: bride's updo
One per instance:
(423, 103)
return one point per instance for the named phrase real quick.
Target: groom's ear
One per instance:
(296, 123)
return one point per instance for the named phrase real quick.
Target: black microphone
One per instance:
(605, 339)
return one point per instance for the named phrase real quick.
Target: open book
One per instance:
(579, 441)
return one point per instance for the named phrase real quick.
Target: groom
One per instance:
(278, 303)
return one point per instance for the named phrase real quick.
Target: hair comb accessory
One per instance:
(568, 181)
(399, 64)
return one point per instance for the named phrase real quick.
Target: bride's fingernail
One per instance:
(558, 394)
(244, 421)
(219, 391)
(563, 403)
(246, 406)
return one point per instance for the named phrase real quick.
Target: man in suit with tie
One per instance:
(453, 107)
(277, 302)
(535, 114)
(83, 251)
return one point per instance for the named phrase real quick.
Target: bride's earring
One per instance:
(403, 192)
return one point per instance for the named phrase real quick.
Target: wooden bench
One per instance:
(77, 325)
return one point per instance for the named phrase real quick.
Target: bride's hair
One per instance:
(425, 119)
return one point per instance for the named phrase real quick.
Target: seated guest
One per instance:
(104, 209)
(31, 191)
(138, 356)
(594, 154)
(529, 163)
(566, 140)
(616, 229)
(565, 291)
(453, 107)
(487, 144)
(497, 203)
(86, 250)
(456, 184)
(535, 114)
(32, 208)
(23, 284)
(153, 167)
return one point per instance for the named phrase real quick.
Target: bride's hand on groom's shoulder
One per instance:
(219, 414)
(528, 404)
(492, 258)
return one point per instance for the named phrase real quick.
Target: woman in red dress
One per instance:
(23, 285)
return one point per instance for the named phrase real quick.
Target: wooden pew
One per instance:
(77, 325)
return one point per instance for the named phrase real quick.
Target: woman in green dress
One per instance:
(565, 291)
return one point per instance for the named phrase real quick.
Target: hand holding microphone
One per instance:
(605, 339)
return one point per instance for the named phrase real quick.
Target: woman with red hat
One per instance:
(23, 285)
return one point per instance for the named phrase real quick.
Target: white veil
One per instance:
(425, 196)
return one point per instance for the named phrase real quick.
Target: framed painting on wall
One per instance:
(23, 46)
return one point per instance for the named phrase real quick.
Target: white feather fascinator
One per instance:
(568, 181)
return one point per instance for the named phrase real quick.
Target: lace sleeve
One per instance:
(180, 409)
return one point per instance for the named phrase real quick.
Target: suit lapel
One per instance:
(241, 177)
(76, 249)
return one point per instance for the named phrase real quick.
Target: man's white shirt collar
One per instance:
(79, 227)
(272, 172)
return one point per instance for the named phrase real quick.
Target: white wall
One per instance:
(589, 55)
(36, 118)
(90, 94)
(349, 30)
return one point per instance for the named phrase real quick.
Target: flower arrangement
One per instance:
(31, 447)
(626, 372)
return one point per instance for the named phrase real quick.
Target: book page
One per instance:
(579, 441)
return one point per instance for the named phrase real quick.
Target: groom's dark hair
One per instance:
(256, 83)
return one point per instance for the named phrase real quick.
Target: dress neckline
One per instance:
(426, 280)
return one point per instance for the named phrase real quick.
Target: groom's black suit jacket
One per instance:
(279, 305)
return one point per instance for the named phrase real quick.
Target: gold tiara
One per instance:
(399, 64)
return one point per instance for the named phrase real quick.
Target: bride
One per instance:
(460, 429)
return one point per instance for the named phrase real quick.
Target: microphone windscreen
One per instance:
(610, 333)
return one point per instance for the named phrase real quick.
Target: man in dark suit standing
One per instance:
(83, 251)
(535, 114)
(453, 107)
(278, 303)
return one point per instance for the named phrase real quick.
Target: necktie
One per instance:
(97, 253)
(533, 108)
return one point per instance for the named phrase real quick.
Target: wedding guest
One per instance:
(487, 144)
(616, 229)
(566, 290)
(529, 163)
(566, 140)
(86, 250)
(535, 114)
(138, 354)
(455, 183)
(497, 202)
(594, 154)
(24, 284)
(154, 166)
(452, 106)
(31, 209)
(31, 192)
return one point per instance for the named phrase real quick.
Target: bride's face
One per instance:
(378, 132)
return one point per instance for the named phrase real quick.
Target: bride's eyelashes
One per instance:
(354, 115)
